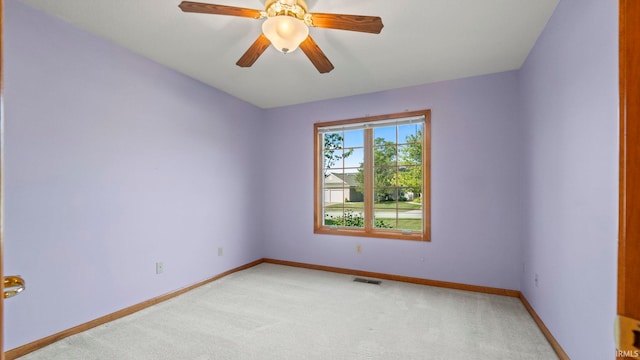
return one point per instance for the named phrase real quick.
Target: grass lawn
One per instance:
(391, 205)
(410, 224)
(403, 224)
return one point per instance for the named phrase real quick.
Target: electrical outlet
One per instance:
(535, 280)
(219, 251)
(159, 267)
(359, 248)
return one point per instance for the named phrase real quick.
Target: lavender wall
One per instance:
(474, 175)
(569, 92)
(113, 163)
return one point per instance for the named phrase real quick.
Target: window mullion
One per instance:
(368, 180)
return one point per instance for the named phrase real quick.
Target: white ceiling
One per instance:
(423, 41)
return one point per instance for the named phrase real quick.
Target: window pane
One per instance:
(410, 177)
(354, 158)
(355, 181)
(385, 155)
(409, 211)
(402, 214)
(409, 133)
(353, 217)
(384, 177)
(354, 138)
(353, 185)
(333, 186)
(344, 216)
(384, 221)
(385, 208)
(333, 140)
(387, 134)
(343, 199)
(333, 152)
(333, 204)
(410, 224)
(384, 197)
(410, 154)
(332, 219)
(333, 159)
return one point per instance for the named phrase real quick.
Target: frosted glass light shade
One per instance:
(285, 32)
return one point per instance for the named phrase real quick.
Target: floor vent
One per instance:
(367, 281)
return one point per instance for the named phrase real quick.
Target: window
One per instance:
(372, 176)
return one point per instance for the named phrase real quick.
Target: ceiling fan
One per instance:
(287, 27)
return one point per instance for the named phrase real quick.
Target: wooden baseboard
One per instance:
(38, 344)
(552, 340)
(407, 279)
(450, 285)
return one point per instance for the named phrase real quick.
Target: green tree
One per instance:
(384, 160)
(410, 175)
(412, 153)
(333, 150)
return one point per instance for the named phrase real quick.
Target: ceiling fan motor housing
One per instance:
(294, 8)
(287, 3)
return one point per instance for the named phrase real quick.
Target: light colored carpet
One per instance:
(279, 312)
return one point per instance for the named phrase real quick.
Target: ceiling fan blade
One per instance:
(368, 24)
(196, 7)
(254, 52)
(317, 57)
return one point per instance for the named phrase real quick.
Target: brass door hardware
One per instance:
(13, 285)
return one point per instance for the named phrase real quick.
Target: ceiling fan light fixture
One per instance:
(285, 32)
(287, 27)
